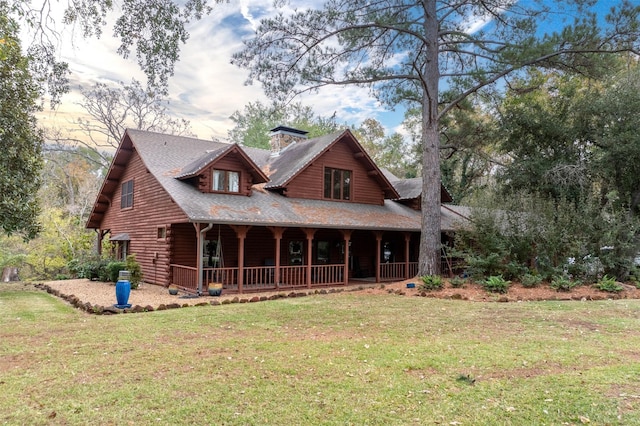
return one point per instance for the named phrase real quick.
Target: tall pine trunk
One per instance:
(429, 261)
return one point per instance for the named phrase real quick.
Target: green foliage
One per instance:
(94, 269)
(63, 238)
(431, 282)
(608, 284)
(252, 125)
(114, 268)
(496, 284)
(427, 35)
(530, 280)
(20, 138)
(457, 282)
(562, 283)
(134, 269)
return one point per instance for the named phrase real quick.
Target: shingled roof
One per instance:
(169, 158)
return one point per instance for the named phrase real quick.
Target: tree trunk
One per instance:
(10, 273)
(429, 261)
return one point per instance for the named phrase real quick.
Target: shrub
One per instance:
(496, 284)
(431, 282)
(608, 284)
(114, 268)
(457, 282)
(563, 283)
(134, 269)
(92, 269)
(531, 280)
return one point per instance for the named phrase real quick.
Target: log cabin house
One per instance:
(308, 213)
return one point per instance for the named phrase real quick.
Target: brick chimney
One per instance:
(282, 137)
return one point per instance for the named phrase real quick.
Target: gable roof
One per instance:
(411, 189)
(297, 156)
(213, 155)
(171, 158)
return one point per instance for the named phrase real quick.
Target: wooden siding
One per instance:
(310, 182)
(152, 209)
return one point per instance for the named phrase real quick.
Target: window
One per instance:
(337, 184)
(323, 250)
(122, 250)
(126, 198)
(295, 252)
(162, 233)
(226, 181)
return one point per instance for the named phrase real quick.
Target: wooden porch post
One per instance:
(378, 235)
(241, 232)
(278, 232)
(309, 233)
(407, 241)
(101, 234)
(347, 238)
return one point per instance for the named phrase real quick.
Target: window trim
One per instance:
(337, 184)
(161, 233)
(227, 182)
(126, 195)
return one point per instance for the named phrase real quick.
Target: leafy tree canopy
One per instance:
(253, 124)
(153, 30)
(405, 49)
(21, 141)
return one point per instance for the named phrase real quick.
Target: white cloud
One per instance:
(206, 89)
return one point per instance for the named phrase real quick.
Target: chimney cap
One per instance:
(289, 130)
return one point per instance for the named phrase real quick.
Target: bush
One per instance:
(457, 282)
(496, 284)
(531, 280)
(134, 269)
(563, 283)
(609, 285)
(93, 269)
(431, 282)
(114, 268)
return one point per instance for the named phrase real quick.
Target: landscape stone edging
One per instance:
(112, 310)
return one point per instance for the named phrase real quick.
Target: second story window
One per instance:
(126, 198)
(226, 181)
(337, 184)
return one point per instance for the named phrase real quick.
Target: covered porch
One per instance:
(248, 259)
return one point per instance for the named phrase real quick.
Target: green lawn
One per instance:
(329, 359)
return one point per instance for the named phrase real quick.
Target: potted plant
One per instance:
(173, 289)
(215, 289)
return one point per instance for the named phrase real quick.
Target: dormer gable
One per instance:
(227, 169)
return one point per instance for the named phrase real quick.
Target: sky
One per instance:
(206, 88)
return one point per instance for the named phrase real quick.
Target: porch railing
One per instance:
(185, 276)
(327, 274)
(291, 277)
(413, 269)
(392, 271)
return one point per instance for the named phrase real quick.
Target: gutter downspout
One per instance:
(200, 247)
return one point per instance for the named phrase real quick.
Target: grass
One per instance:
(329, 359)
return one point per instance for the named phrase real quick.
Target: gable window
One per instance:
(126, 198)
(337, 184)
(226, 181)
